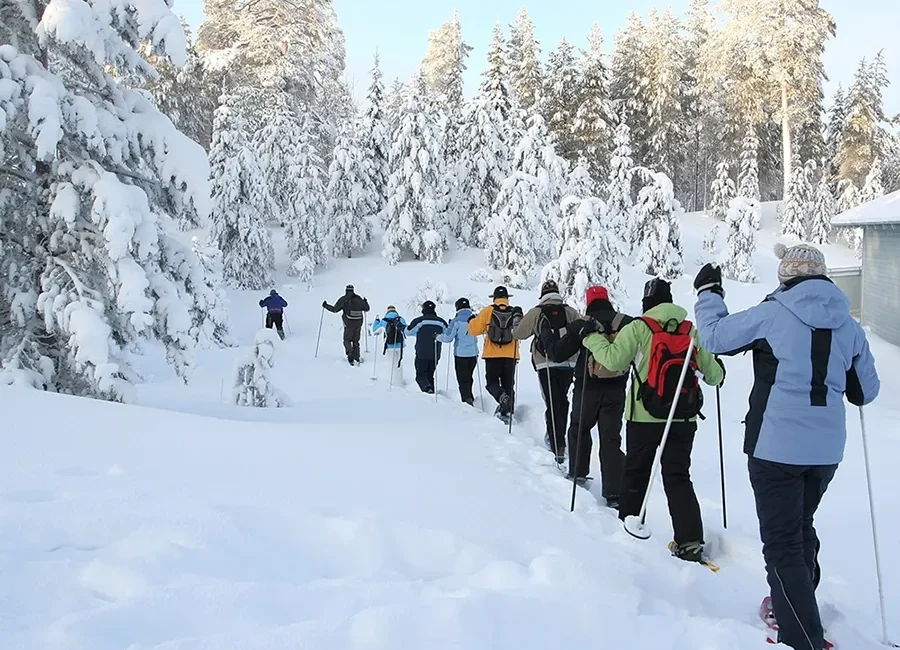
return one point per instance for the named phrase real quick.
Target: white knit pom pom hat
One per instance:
(799, 261)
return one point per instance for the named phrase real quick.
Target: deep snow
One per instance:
(362, 518)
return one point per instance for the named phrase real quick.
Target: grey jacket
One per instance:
(529, 327)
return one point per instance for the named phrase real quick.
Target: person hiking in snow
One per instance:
(808, 353)
(274, 305)
(352, 308)
(555, 377)
(598, 397)
(427, 328)
(501, 349)
(393, 327)
(465, 349)
(661, 331)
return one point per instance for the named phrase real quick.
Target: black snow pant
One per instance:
(555, 384)
(603, 407)
(642, 441)
(276, 319)
(465, 371)
(500, 379)
(787, 497)
(425, 374)
(352, 332)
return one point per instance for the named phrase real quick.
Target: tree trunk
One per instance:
(785, 138)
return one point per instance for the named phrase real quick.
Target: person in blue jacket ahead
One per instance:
(394, 327)
(808, 353)
(465, 349)
(274, 305)
(427, 328)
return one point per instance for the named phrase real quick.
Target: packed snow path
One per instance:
(360, 518)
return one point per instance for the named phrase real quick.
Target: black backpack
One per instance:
(393, 332)
(555, 316)
(501, 326)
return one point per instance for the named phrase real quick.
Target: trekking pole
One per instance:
(721, 457)
(262, 312)
(512, 414)
(478, 376)
(884, 632)
(319, 335)
(391, 382)
(447, 388)
(287, 324)
(366, 330)
(634, 525)
(437, 361)
(580, 429)
(374, 363)
(552, 416)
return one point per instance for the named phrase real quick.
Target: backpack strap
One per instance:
(655, 328)
(617, 322)
(685, 327)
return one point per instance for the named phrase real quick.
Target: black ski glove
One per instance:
(261, 303)
(722, 366)
(517, 315)
(709, 279)
(324, 304)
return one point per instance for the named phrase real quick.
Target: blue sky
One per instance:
(399, 30)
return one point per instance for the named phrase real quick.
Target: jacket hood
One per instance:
(665, 312)
(816, 302)
(551, 298)
(391, 314)
(463, 314)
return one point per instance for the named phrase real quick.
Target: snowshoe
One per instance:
(579, 480)
(281, 334)
(767, 615)
(612, 502)
(692, 552)
(470, 402)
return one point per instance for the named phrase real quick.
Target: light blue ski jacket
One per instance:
(380, 324)
(807, 354)
(457, 332)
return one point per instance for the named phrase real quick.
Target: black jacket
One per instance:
(566, 346)
(350, 305)
(427, 327)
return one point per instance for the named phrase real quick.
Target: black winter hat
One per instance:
(656, 292)
(549, 286)
(349, 288)
(428, 307)
(462, 303)
(500, 292)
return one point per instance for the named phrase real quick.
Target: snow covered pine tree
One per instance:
(88, 198)
(252, 383)
(658, 211)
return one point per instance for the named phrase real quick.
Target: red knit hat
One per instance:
(596, 293)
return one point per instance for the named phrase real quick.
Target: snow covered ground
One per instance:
(363, 518)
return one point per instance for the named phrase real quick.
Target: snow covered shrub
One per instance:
(589, 253)
(93, 180)
(303, 269)
(481, 275)
(711, 240)
(743, 222)
(252, 384)
(210, 319)
(722, 191)
(436, 292)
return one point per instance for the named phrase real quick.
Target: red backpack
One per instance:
(667, 357)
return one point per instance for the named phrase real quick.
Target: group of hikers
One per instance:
(808, 354)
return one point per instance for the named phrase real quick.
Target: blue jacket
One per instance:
(465, 344)
(427, 328)
(273, 304)
(807, 354)
(381, 323)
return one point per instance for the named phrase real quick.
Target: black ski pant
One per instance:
(500, 379)
(465, 372)
(555, 384)
(603, 406)
(642, 441)
(787, 497)
(275, 319)
(352, 332)
(425, 374)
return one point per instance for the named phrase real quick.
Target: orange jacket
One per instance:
(480, 324)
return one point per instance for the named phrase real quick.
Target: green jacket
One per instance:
(632, 341)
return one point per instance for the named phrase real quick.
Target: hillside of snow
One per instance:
(363, 518)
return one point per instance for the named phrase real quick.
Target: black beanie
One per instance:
(462, 303)
(656, 292)
(428, 307)
(549, 287)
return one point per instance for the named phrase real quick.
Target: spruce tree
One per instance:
(347, 201)
(628, 86)
(620, 207)
(588, 254)
(593, 117)
(748, 180)
(415, 215)
(509, 232)
(873, 187)
(743, 222)
(795, 219)
(834, 132)
(525, 74)
(561, 98)
(823, 211)
(580, 184)
(277, 143)
(306, 227)
(722, 191)
(241, 204)
(863, 135)
(374, 139)
(658, 212)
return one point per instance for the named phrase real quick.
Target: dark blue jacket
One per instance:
(427, 328)
(274, 304)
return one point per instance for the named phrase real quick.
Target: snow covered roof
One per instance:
(883, 211)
